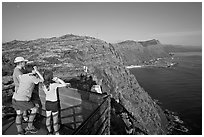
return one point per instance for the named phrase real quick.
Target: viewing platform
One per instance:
(81, 112)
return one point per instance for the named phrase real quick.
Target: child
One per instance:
(50, 86)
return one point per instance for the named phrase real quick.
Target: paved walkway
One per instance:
(9, 127)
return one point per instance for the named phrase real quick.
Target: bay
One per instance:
(179, 89)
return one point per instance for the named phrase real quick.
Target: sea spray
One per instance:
(176, 126)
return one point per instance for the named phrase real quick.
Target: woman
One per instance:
(18, 70)
(22, 98)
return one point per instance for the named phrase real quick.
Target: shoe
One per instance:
(49, 133)
(22, 132)
(57, 133)
(32, 130)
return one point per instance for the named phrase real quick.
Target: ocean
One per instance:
(179, 89)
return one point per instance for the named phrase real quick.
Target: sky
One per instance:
(169, 22)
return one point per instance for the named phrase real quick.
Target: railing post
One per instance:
(109, 115)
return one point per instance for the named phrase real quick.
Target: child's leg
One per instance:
(48, 120)
(32, 117)
(25, 117)
(19, 121)
(55, 122)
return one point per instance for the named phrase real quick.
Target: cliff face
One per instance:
(136, 53)
(68, 54)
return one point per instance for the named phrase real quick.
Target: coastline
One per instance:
(134, 66)
(177, 82)
(158, 63)
(154, 65)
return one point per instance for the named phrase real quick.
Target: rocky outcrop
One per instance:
(138, 53)
(149, 43)
(67, 55)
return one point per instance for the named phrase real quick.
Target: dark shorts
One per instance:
(36, 100)
(52, 106)
(22, 105)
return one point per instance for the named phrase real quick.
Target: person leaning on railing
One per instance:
(50, 86)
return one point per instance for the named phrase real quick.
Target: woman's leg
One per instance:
(48, 120)
(55, 122)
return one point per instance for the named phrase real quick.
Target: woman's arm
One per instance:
(37, 72)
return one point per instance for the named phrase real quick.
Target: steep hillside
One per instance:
(67, 55)
(136, 53)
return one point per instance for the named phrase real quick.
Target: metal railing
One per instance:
(98, 122)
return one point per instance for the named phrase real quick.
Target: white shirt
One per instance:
(51, 94)
(26, 85)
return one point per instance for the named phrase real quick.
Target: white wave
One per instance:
(133, 66)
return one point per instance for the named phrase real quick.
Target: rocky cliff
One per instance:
(67, 55)
(137, 53)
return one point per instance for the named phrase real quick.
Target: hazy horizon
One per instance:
(170, 23)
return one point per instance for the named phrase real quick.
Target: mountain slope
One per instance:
(136, 53)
